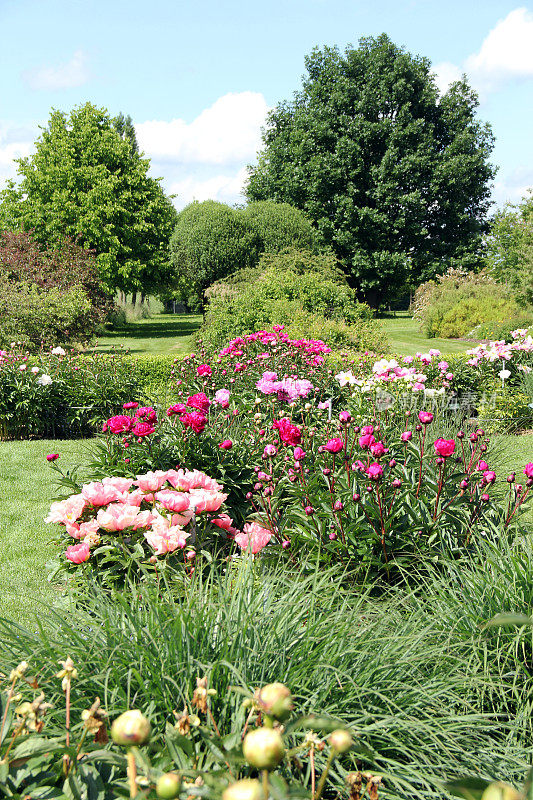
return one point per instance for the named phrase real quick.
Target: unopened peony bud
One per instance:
(500, 791)
(276, 700)
(131, 728)
(340, 740)
(263, 748)
(247, 789)
(168, 786)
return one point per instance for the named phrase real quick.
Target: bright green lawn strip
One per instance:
(26, 491)
(405, 337)
(162, 333)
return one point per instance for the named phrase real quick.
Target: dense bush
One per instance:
(280, 225)
(297, 289)
(48, 296)
(510, 248)
(60, 395)
(457, 302)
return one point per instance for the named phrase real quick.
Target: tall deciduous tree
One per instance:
(86, 180)
(395, 177)
(510, 248)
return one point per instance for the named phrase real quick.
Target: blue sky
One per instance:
(198, 77)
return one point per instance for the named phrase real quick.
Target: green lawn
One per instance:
(161, 333)
(26, 488)
(406, 340)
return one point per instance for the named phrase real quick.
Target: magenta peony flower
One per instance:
(374, 472)
(130, 405)
(334, 446)
(120, 424)
(299, 454)
(406, 436)
(425, 417)
(78, 553)
(345, 416)
(444, 447)
(147, 414)
(489, 476)
(378, 449)
(204, 369)
(142, 429)
(195, 420)
(179, 408)
(366, 440)
(288, 433)
(270, 450)
(52, 457)
(227, 444)
(366, 429)
(199, 401)
(482, 466)
(528, 470)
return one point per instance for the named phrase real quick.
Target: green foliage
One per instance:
(34, 317)
(459, 301)
(298, 289)
(68, 396)
(395, 178)
(153, 373)
(280, 225)
(510, 248)
(87, 180)
(210, 241)
(506, 409)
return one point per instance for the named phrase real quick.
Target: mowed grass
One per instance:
(26, 489)
(161, 333)
(406, 339)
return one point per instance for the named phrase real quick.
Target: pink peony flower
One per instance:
(528, 470)
(206, 500)
(147, 414)
(78, 553)
(204, 369)
(378, 449)
(119, 424)
(299, 454)
(130, 406)
(406, 436)
(288, 433)
(367, 429)
(253, 536)
(222, 397)
(152, 481)
(80, 530)
(195, 420)
(199, 401)
(179, 408)
(166, 540)
(374, 472)
(227, 444)
(68, 510)
(444, 447)
(482, 466)
(142, 429)
(334, 446)
(173, 501)
(270, 450)
(425, 417)
(223, 521)
(193, 479)
(119, 516)
(366, 440)
(52, 457)
(100, 494)
(489, 476)
(120, 484)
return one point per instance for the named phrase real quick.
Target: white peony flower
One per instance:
(44, 380)
(58, 351)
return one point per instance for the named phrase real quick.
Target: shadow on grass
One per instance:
(174, 326)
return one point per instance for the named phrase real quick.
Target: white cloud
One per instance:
(64, 76)
(506, 54)
(224, 188)
(513, 186)
(228, 132)
(15, 142)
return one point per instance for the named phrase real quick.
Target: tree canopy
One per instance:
(395, 178)
(510, 248)
(87, 181)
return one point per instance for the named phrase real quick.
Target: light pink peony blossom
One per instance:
(152, 481)
(81, 530)
(68, 510)
(173, 501)
(222, 397)
(253, 536)
(120, 484)
(206, 500)
(166, 540)
(100, 494)
(78, 553)
(119, 516)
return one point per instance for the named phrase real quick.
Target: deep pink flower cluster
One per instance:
(140, 425)
(288, 433)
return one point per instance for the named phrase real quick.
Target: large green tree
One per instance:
(86, 180)
(510, 248)
(395, 178)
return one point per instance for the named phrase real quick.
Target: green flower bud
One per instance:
(500, 791)
(168, 786)
(247, 789)
(276, 700)
(263, 748)
(340, 740)
(131, 728)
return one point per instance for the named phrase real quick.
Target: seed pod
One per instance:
(131, 728)
(247, 789)
(340, 740)
(275, 699)
(168, 786)
(263, 748)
